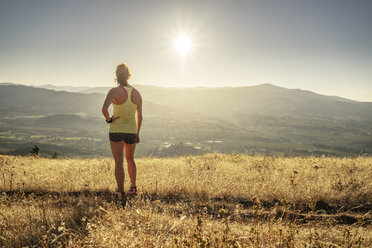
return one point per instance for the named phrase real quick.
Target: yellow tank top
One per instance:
(127, 111)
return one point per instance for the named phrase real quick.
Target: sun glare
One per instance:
(182, 45)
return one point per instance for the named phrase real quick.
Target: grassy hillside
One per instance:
(211, 200)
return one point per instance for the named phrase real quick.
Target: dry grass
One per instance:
(212, 200)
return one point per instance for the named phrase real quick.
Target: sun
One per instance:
(182, 44)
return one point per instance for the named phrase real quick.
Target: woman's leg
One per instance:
(129, 155)
(117, 151)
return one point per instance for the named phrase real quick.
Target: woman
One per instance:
(124, 130)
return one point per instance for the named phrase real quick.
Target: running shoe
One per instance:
(133, 191)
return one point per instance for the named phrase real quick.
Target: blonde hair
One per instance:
(122, 74)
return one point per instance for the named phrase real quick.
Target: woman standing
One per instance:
(124, 130)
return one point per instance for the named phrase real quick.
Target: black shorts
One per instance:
(128, 138)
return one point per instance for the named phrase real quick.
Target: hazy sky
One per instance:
(319, 45)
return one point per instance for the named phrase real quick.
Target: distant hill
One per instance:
(32, 100)
(26, 100)
(64, 88)
(236, 103)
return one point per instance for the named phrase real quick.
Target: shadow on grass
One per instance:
(237, 209)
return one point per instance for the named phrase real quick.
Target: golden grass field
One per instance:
(212, 200)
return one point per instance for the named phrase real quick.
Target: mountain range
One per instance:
(265, 117)
(264, 99)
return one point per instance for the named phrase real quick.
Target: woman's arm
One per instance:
(106, 104)
(139, 118)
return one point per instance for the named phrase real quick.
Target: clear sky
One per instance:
(319, 45)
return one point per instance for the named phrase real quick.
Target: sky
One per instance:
(320, 45)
